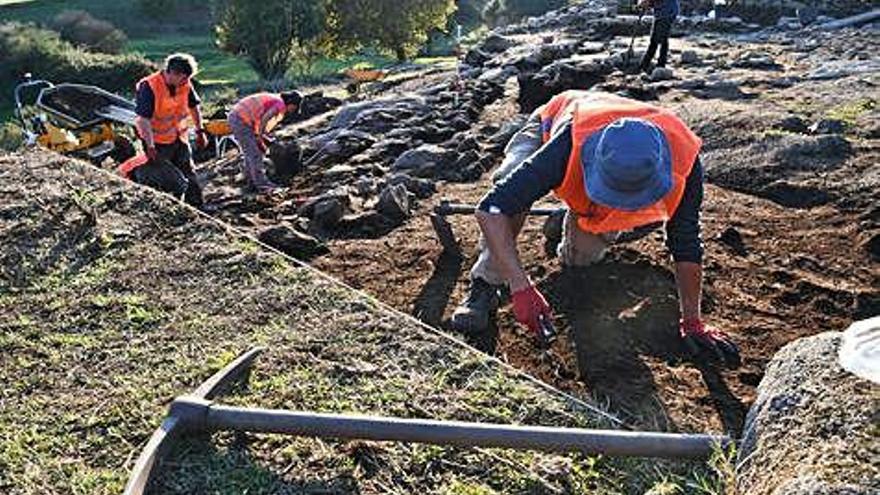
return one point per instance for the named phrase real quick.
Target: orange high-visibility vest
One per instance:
(170, 113)
(557, 111)
(590, 115)
(252, 108)
(127, 167)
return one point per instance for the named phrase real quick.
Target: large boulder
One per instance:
(349, 113)
(793, 170)
(286, 159)
(813, 428)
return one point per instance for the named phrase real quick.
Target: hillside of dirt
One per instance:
(791, 131)
(116, 299)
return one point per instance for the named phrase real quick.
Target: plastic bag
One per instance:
(860, 351)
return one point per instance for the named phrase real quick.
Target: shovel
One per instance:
(630, 53)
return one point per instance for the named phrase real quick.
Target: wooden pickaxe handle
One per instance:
(446, 208)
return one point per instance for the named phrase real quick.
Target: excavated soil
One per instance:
(790, 224)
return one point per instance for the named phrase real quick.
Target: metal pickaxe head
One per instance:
(443, 229)
(447, 238)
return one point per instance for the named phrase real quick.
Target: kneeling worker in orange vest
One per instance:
(618, 165)
(164, 103)
(251, 119)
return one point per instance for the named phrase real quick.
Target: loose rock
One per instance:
(292, 242)
(828, 126)
(661, 74)
(689, 57)
(792, 123)
(394, 202)
(423, 160)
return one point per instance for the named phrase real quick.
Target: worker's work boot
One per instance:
(473, 315)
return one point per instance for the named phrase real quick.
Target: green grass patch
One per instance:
(215, 66)
(849, 112)
(126, 15)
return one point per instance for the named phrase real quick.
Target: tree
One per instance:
(400, 26)
(268, 31)
(469, 13)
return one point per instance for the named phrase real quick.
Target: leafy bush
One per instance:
(81, 29)
(401, 26)
(11, 136)
(26, 48)
(268, 32)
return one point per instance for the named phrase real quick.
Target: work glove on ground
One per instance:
(702, 340)
(201, 139)
(531, 309)
(151, 153)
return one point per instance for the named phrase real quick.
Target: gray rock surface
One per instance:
(293, 242)
(422, 160)
(690, 57)
(814, 428)
(394, 202)
(661, 74)
(828, 126)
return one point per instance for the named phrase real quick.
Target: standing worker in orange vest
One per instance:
(618, 165)
(251, 119)
(164, 103)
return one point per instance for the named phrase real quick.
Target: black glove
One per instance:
(701, 340)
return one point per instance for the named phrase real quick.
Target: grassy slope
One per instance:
(109, 316)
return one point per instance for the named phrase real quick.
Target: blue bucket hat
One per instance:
(627, 164)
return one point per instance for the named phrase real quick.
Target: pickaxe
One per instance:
(443, 229)
(196, 412)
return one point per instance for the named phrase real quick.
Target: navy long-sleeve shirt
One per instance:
(544, 171)
(666, 9)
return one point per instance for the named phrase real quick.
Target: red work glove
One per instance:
(702, 340)
(201, 139)
(530, 308)
(150, 151)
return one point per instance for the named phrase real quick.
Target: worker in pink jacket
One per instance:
(251, 119)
